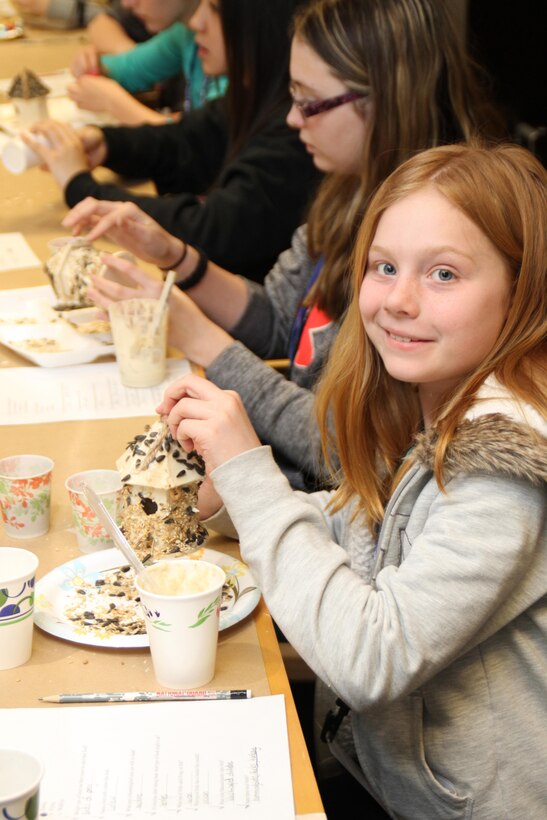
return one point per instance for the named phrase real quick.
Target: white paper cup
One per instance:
(18, 157)
(182, 626)
(141, 346)
(20, 776)
(25, 494)
(90, 532)
(17, 579)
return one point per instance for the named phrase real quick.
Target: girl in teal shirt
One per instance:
(168, 54)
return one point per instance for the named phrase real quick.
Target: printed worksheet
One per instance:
(207, 760)
(90, 391)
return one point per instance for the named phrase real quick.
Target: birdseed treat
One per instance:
(70, 270)
(159, 515)
(109, 606)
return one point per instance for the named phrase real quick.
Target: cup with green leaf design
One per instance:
(20, 777)
(181, 601)
(17, 579)
(25, 494)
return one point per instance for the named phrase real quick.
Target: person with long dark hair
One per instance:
(233, 178)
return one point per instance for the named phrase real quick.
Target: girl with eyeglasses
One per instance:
(372, 83)
(233, 178)
(417, 591)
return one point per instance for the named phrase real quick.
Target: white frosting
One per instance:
(170, 466)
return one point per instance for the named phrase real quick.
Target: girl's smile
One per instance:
(435, 294)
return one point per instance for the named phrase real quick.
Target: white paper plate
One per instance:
(57, 591)
(27, 315)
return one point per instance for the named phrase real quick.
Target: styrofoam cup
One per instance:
(18, 157)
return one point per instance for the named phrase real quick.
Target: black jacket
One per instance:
(242, 213)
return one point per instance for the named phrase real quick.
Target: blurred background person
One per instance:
(233, 177)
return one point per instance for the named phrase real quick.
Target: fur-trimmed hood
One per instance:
(491, 443)
(497, 436)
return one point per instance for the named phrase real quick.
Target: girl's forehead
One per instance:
(308, 71)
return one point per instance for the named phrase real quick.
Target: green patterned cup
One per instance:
(181, 600)
(25, 495)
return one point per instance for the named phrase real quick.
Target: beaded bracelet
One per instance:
(197, 274)
(179, 261)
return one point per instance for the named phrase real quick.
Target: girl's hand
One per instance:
(205, 418)
(86, 61)
(64, 151)
(61, 151)
(96, 93)
(105, 94)
(126, 225)
(124, 280)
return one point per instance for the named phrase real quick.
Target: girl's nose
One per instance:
(294, 118)
(402, 296)
(195, 23)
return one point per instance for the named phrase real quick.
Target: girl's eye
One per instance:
(386, 268)
(443, 275)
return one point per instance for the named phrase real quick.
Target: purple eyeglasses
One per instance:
(310, 109)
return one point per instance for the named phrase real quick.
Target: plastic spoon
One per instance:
(112, 528)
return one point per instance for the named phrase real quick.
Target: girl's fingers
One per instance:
(190, 385)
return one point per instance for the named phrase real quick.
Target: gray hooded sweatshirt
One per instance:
(435, 637)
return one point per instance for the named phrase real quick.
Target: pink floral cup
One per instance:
(25, 495)
(89, 531)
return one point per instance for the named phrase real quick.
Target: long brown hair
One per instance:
(370, 419)
(405, 55)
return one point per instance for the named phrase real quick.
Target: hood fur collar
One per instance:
(492, 444)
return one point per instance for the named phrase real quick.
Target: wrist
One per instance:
(194, 270)
(181, 256)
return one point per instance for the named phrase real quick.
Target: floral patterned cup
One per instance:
(181, 601)
(17, 572)
(25, 494)
(108, 486)
(20, 776)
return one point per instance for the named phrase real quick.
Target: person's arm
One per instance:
(108, 35)
(74, 12)
(106, 95)
(159, 58)
(256, 201)
(454, 589)
(65, 151)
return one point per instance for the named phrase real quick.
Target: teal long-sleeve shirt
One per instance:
(171, 52)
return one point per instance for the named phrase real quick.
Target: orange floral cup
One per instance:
(25, 495)
(89, 531)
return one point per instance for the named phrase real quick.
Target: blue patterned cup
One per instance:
(17, 575)
(20, 776)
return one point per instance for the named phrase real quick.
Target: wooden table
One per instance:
(248, 655)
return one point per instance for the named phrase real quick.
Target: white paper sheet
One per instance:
(90, 391)
(16, 253)
(208, 760)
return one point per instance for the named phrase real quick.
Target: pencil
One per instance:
(135, 697)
